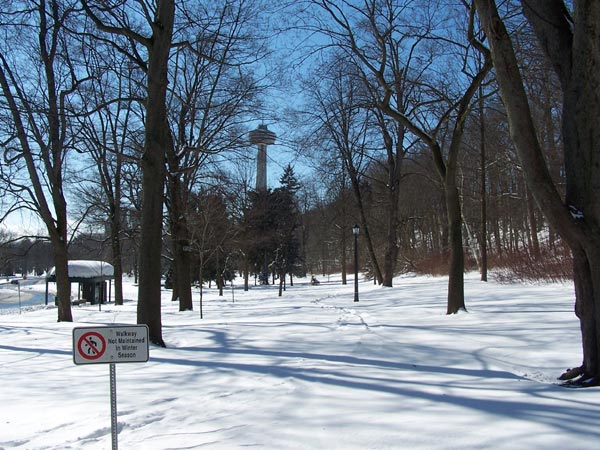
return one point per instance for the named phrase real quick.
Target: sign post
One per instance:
(114, 429)
(111, 345)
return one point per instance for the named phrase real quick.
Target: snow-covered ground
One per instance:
(310, 370)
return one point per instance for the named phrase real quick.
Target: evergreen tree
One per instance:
(289, 181)
(271, 224)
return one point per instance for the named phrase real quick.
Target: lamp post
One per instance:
(355, 232)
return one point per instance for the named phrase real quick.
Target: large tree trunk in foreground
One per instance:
(157, 139)
(572, 47)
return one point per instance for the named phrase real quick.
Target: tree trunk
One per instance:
(182, 282)
(219, 279)
(572, 48)
(246, 272)
(343, 250)
(584, 310)
(390, 256)
(394, 165)
(281, 281)
(354, 181)
(377, 275)
(201, 282)
(483, 192)
(456, 295)
(63, 285)
(149, 293)
(535, 243)
(395, 155)
(365, 225)
(44, 155)
(57, 229)
(117, 261)
(157, 138)
(183, 278)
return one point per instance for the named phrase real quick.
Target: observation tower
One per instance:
(262, 137)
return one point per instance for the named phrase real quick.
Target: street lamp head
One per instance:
(355, 230)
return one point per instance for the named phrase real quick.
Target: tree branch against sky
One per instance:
(417, 60)
(212, 97)
(107, 139)
(338, 112)
(38, 79)
(156, 42)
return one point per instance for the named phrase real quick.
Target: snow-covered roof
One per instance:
(87, 269)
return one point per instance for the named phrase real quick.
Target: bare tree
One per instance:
(343, 126)
(107, 135)
(213, 94)
(389, 41)
(38, 78)
(114, 19)
(570, 42)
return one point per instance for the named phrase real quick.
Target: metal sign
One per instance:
(118, 344)
(98, 345)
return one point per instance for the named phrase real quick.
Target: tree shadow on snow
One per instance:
(574, 416)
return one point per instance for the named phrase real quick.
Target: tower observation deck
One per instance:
(261, 137)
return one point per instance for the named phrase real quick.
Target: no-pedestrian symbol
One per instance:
(91, 345)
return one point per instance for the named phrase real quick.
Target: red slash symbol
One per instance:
(91, 345)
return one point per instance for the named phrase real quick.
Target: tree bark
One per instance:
(535, 243)
(456, 264)
(157, 138)
(63, 285)
(390, 256)
(180, 236)
(281, 281)
(576, 57)
(183, 278)
(483, 246)
(115, 244)
(395, 156)
(118, 267)
(246, 263)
